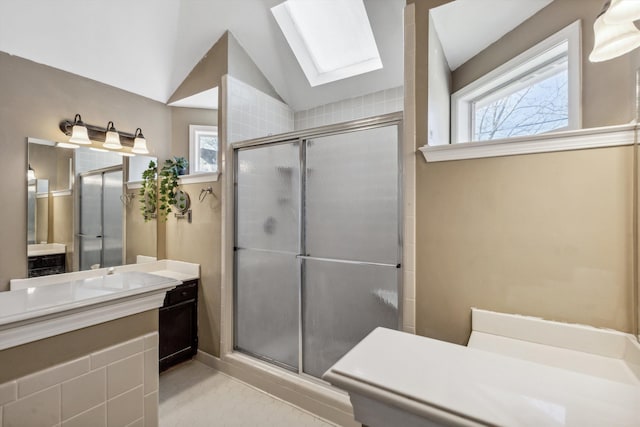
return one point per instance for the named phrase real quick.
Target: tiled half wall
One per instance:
(116, 386)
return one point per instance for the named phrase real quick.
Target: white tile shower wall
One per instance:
(116, 386)
(360, 107)
(254, 114)
(87, 160)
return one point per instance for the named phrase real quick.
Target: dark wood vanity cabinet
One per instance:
(44, 265)
(178, 325)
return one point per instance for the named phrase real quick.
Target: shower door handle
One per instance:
(99, 236)
(347, 261)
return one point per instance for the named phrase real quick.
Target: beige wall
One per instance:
(199, 241)
(62, 224)
(608, 87)
(141, 236)
(546, 235)
(35, 98)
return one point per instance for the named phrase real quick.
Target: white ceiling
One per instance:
(466, 27)
(148, 47)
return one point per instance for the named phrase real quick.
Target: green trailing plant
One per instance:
(169, 174)
(149, 192)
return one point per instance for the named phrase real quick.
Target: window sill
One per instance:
(610, 136)
(199, 177)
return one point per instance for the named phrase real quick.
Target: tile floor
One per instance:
(194, 395)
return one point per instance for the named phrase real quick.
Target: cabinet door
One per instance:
(177, 333)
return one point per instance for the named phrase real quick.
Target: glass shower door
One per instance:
(90, 236)
(100, 222)
(267, 242)
(351, 239)
(112, 218)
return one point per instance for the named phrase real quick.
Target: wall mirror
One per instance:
(521, 70)
(83, 209)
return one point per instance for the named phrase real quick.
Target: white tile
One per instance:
(94, 417)
(137, 423)
(193, 392)
(118, 352)
(38, 409)
(409, 329)
(55, 375)
(151, 410)
(409, 312)
(151, 341)
(83, 393)
(8, 392)
(125, 375)
(409, 256)
(126, 408)
(409, 232)
(409, 284)
(150, 370)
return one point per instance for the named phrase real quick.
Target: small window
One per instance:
(536, 92)
(203, 149)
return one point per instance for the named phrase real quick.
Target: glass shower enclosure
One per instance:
(100, 234)
(317, 252)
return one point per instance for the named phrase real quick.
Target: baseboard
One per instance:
(321, 401)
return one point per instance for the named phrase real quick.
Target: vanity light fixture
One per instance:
(112, 138)
(623, 11)
(79, 133)
(614, 30)
(139, 143)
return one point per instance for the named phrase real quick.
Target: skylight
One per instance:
(331, 39)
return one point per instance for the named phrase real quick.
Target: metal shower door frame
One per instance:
(301, 137)
(78, 234)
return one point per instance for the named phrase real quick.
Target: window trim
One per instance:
(194, 130)
(602, 137)
(462, 100)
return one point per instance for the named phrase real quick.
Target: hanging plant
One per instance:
(169, 174)
(149, 192)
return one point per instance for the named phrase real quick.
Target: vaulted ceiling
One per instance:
(148, 47)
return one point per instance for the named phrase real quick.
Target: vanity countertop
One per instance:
(177, 270)
(426, 376)
(40, 249)
(42, 307)
(34, 302)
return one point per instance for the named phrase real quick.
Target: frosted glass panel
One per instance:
(267, 305)
(352, 196)
(91, 205)
(112, 219)
(268, 187)
(342, 304)
(90, 252)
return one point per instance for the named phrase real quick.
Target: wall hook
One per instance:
(204, 192)
(127, 198)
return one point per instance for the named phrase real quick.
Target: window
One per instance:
(331, 40)
(536, 92)
(203, 149)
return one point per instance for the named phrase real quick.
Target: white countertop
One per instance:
(40, 249)
(403, 369)
(42, 307)
(29, 303)
(178, 270)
